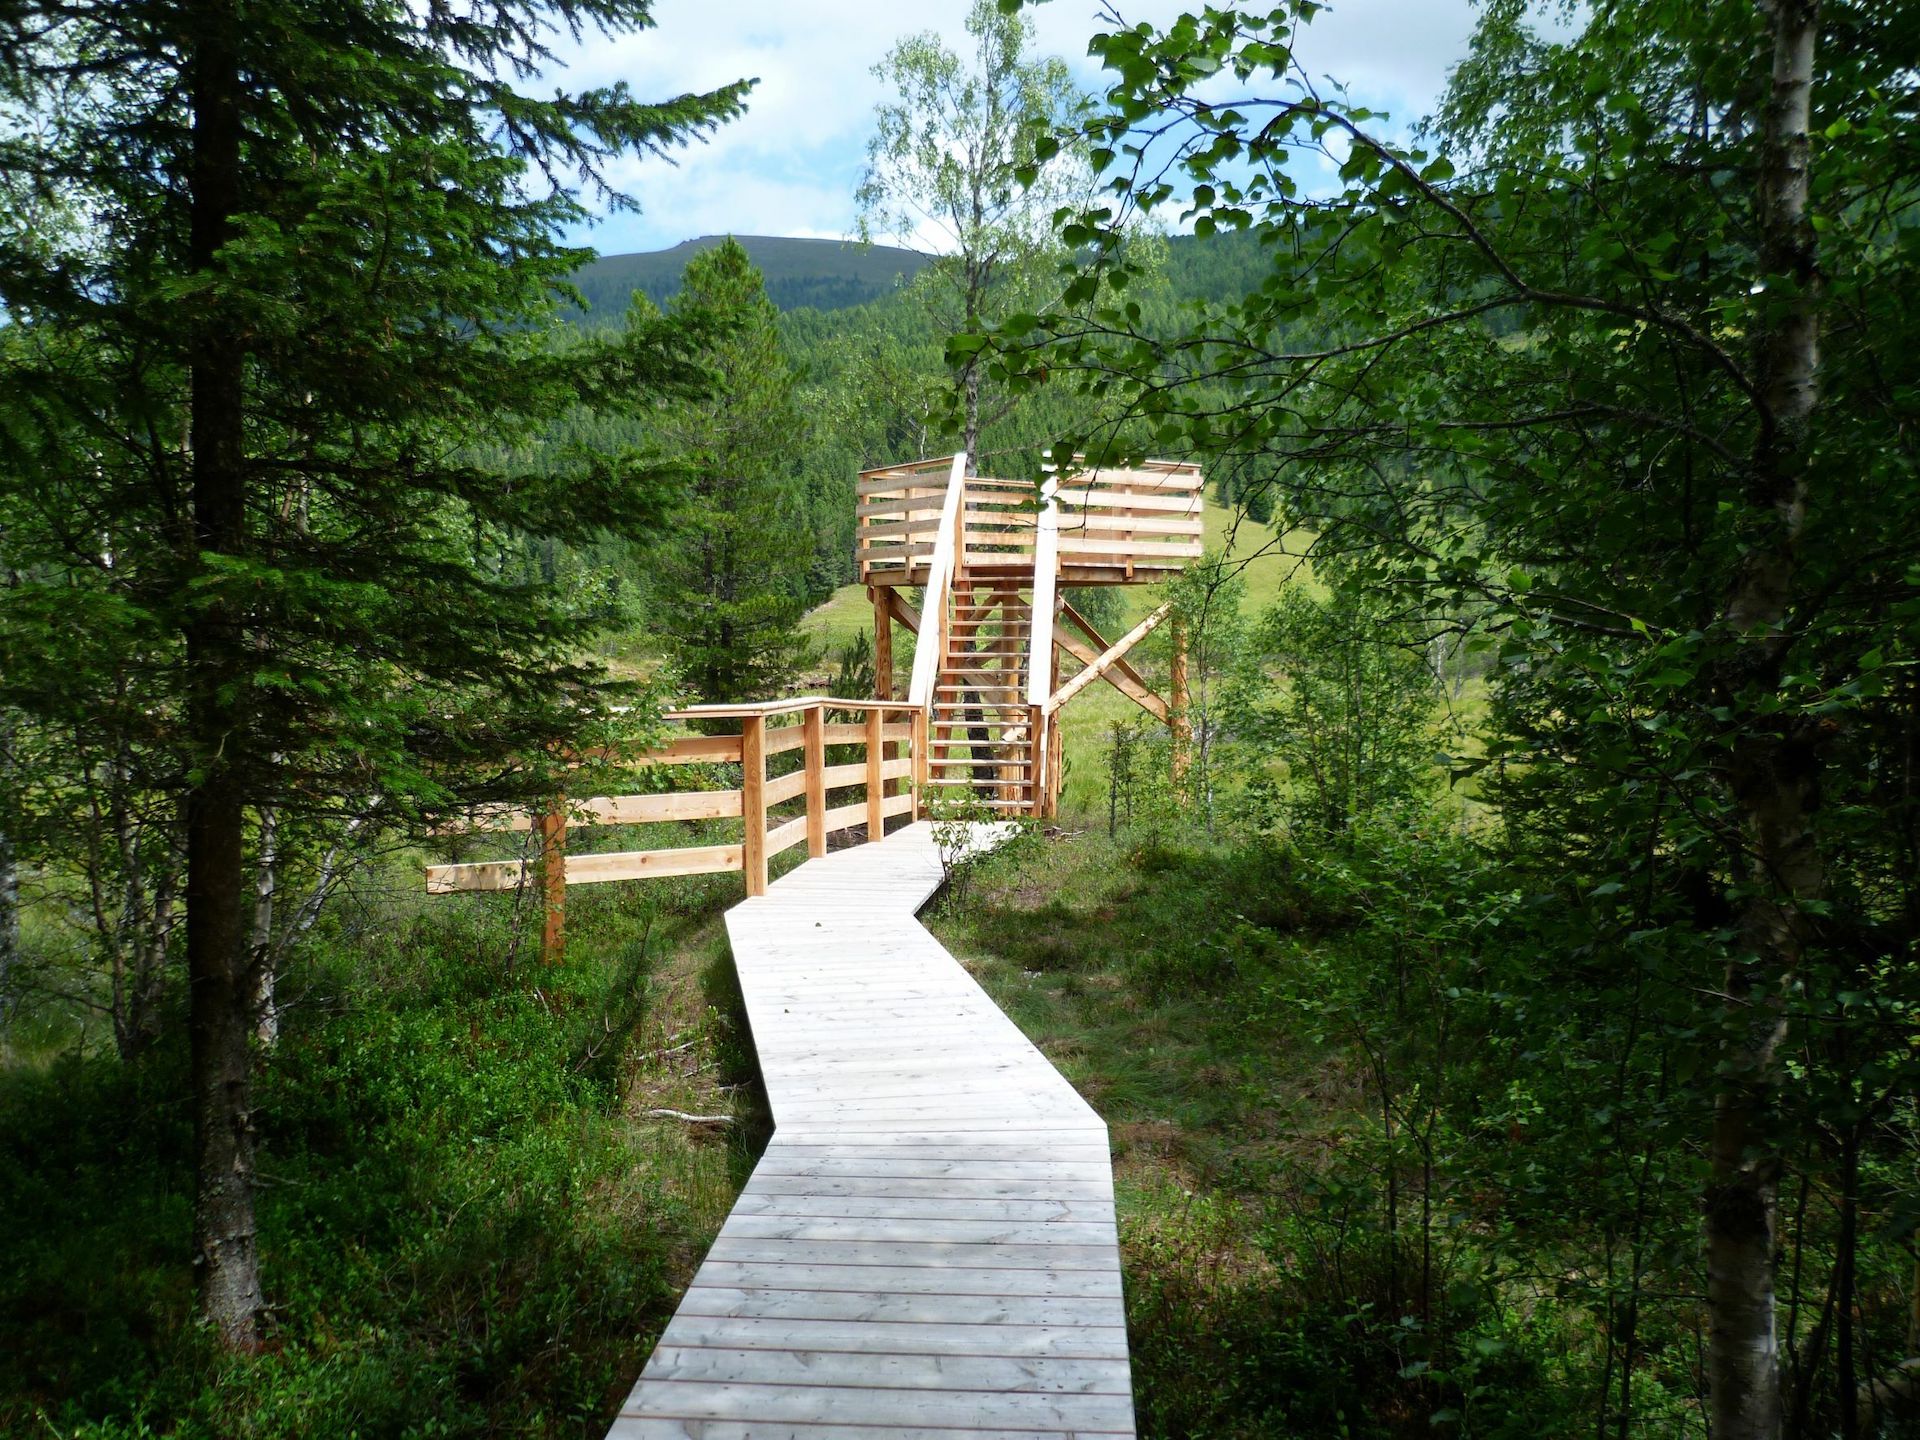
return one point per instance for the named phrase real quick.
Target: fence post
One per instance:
(876, 788)
(922, 767)
(1180, 718)
(753, 802)
(553, 881)
(816, 758)
(1037, 777)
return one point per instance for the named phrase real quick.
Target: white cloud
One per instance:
(789, 166)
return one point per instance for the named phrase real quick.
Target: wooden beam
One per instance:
(753, 802)
(1181, 722)
(1105, 661)
(816, 723)
(921, 750)
(553, 882)
(652, 864)
(882, 640)
(902, 611)
(876, 785)
(928, 656)
(1122, 676)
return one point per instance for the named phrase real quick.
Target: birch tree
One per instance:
(962, 167)
(1616, 364)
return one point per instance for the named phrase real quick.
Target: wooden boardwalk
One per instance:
(926, 1251)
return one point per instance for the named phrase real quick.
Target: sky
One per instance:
(790, 165)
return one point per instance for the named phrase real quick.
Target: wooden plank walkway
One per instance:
(926, 1251)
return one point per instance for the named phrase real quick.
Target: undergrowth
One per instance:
(1270, 1290)
(468, 1225)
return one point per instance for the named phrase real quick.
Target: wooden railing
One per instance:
(1115, 525)
(900, 509)
(763, 799)
(1142, 519)
(943, 560)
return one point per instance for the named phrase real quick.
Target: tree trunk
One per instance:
(9, 884)
(260, 959)
(220, 1008)
(1773, 774)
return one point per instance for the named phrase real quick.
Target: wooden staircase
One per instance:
(979, 717)
(993, 559)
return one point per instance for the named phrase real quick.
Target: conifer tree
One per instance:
(731, 581)
(245, 404)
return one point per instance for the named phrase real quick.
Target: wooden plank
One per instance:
(920, 526)
(879, 1370)
(753, 1332)
(838, 777)
(879, 1412)
(692, 750)
(1076, 498)
(911, 505)
(783, 788)
(753, 787)
(652, 864)
(1105, 660)
(1155, 550)
(786, 836)
(783, 738)
(816, 720)
(1099, 525)
(893, 1307)
(876, 786)
(483, 875)
(931, 650)
(654, 809)
(845, 817)
(1121, 674)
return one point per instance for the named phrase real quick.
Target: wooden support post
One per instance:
(553, 881)
(883, 602)
(922, 764)
(1056, 748)
(1037, 777)
(816, 759)
(1056, 766)
(882, 641)
(753, 801)
(876, 790)
(1179, 720)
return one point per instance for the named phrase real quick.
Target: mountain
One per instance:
(823, 274)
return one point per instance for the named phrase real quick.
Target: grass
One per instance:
(1172, 982)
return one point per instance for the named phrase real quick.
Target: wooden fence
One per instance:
(892, 769)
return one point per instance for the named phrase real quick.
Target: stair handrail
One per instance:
(1046, 574)
(931, 644)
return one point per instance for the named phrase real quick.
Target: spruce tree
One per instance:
(731, 583)
(246, 400)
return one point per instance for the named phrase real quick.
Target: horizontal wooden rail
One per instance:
(1116, 525)
(893, 783)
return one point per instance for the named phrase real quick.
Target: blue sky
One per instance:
(789, 167)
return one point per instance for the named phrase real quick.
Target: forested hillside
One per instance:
(1470, 864)
(818, 274)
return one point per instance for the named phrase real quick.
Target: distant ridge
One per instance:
(823, 274)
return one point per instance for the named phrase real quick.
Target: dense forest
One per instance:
(1498, 977)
